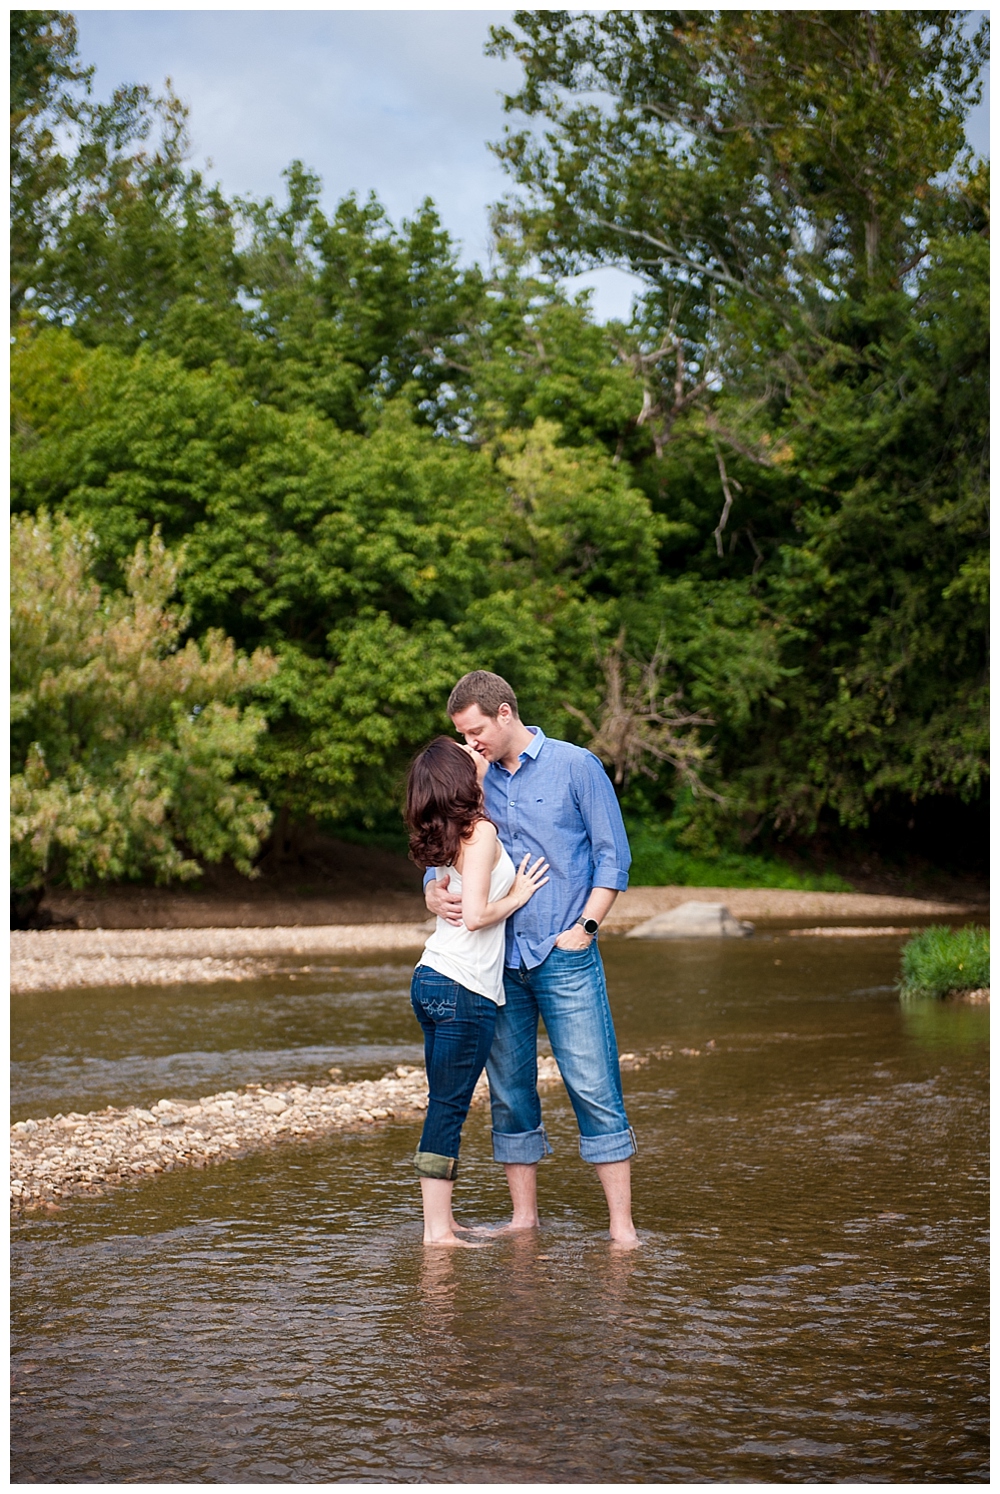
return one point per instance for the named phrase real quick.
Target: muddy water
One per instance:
(808, 1305)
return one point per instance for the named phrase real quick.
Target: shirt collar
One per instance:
(533, 748)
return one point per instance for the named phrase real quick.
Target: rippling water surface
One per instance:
(808, 1304)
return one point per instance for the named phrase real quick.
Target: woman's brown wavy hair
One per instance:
(443, 802)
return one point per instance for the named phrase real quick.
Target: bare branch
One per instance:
(656, 412)
(669, 252)
(727, 491)
(639, 722)
(758, 552)
(761, 459)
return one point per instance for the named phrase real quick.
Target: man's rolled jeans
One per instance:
(569, 993)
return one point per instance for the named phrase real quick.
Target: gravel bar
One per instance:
(63, 1157)
(761, 904)
(61, 959)
(70, 1156)
(843, 931)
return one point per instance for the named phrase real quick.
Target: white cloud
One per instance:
(401, 103)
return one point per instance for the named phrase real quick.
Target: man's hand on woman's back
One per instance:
(441, 902)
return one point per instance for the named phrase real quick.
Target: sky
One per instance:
(402, 102)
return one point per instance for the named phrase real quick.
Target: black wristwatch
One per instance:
(589, 925)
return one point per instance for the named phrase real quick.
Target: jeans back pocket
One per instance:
(435, 994)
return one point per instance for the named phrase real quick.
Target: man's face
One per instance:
(487, 735)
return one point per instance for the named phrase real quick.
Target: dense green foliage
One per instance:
(792, 187)
(938, 961)
(129, 742)
(738, 543)
(658, 860)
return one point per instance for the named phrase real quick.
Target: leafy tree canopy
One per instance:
(778, 155)
(761, 499)
(125, 744)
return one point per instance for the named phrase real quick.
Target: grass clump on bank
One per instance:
(658, 861)
(938, 961)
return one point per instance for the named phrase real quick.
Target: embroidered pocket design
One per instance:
(438, 1008)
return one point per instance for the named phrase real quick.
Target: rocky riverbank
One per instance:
(71, 1156)
(61, 959)
(63, 1157)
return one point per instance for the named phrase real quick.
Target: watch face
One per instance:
(590, 925)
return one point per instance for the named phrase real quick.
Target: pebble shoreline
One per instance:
(72, 1156)
(63, 959)
(74, 959)
(63, 1157)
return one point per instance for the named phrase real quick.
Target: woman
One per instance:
(458, 984)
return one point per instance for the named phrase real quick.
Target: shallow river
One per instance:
(809, 1303)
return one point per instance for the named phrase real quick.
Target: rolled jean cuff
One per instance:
(520, 1146)
(617, 1147)
(433, 1165)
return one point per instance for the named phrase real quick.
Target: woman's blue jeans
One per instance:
(458, 1031)
(568, 991)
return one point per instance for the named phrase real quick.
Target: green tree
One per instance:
(884, 591)
(356, 557)
(45, 81)
(811, 354)
(775, 155)
(112, 234)
(767, 489)
(126, 746)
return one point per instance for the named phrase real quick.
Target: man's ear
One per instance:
(504, 713)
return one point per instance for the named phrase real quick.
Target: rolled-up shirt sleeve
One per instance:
(602, 816)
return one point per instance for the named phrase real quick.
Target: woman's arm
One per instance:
(479, 856)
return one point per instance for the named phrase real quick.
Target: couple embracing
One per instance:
(524, 851)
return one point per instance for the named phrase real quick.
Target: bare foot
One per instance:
(513, 1226)
(453, 1240)
(625, 1242)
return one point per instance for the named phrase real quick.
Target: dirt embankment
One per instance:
(318, 882)
(321, 881)
(58, 959)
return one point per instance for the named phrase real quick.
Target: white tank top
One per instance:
(473, 957)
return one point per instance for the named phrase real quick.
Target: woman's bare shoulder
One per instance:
(480, 843)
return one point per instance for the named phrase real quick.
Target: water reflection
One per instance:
(941, 1025)
(809, 1303)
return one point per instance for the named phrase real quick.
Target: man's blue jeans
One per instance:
(458, 1030)
(569, 993)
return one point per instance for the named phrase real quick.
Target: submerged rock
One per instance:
(693, 920)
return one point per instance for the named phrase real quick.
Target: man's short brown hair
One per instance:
(488, 691)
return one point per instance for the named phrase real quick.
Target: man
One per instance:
(549, 798)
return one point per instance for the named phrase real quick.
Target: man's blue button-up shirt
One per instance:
(559, 804)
